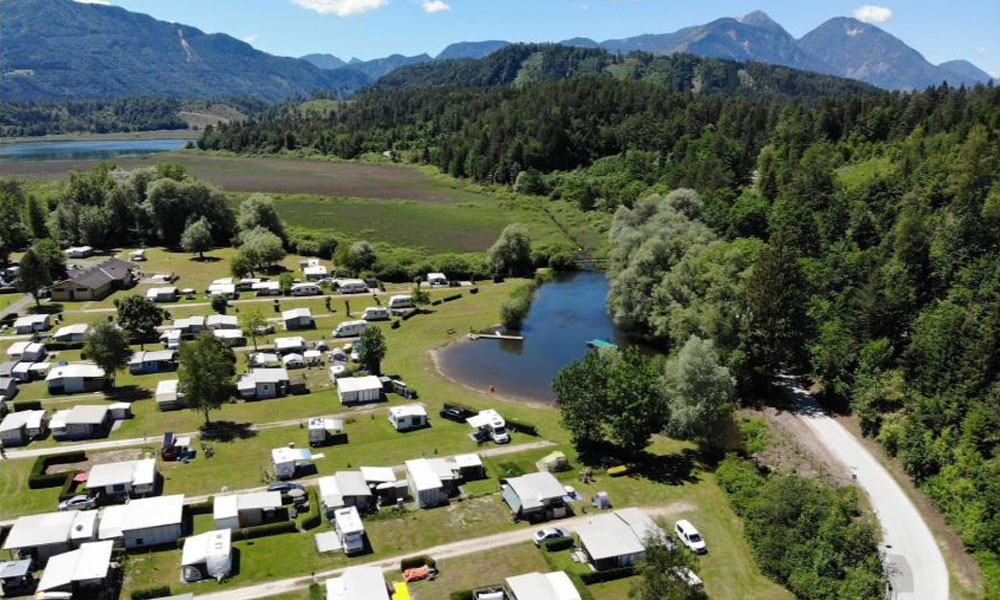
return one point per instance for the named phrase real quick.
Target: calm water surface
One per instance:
(87, 149)
(565, 314)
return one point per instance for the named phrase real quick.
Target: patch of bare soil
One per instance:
(965, 572)
(98, 458)
(793, 449)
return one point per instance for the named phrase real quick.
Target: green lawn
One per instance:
(479, 570)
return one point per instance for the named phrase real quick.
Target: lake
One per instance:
(566, 314)
(87, 149)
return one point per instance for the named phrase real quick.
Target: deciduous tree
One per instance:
(206, 374)
(108, 346)
(373, 349)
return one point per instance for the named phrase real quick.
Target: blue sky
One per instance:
(367, 29)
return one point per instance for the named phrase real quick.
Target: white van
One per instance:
(350, 328)
(401, 301)
(306, 289)
(375, 313)
(690, 537)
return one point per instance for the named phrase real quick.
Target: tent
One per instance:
(553, 462)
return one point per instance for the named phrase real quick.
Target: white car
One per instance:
(690, 537)
(81, 502)
(548, 533)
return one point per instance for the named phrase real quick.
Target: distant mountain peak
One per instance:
(759, 18)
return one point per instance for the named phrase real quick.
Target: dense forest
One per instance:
(34, 118)
(853, 239)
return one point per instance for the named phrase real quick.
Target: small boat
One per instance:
(601, 345)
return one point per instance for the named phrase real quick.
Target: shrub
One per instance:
(413, 562)
(202, 508)
(515, 309)
(461, 595)
(558, 544)
(54, 346)
(316, 592)
(39, 479)
(258, 531)
(474, 290)
(395, 324)
(69, 486)
(158, 591)
(436, 303)
(313, 518)
(27, 405)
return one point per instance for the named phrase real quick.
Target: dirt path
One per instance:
(442, 552)
(916, 566)
(255, 300)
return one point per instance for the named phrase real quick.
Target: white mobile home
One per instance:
(26, 351)
(75, 378)
(263, 383)
(171, 339)
(72, 334)
(144, 362)
(230, 337)
(401, 301)
(288, 461)
(376, 313)
(350, 328)
(267, 288)
(352, 286)
(344, 488)
(190, 326)
(79, 252)
(152, 521)
(48, 534)
(205, 555)
(535, 497)
(245, 510)
(536, 586)
(322, 428)
(32, 323)
(83, 421)
(348, 524)
(221, 289)
(408, 416)
(247, 283)
(138, 255)
(124, 479)
(30, 371)
(315, 272)
(162, 294)
(167, 396)
(617, 539)
(358, 583)
(427, 487)
(357, 390)
(305, 289)
(8, 389)
(19, 428)
(83, 570)
(265, 359)
(284, 345)
(297, 318)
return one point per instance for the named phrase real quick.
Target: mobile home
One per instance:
(206, 555)
(322, 429)
(427, 487)
(124, 479)
(19, 428)
(408, 416)
(357, 390)
(32, 323)
(401, 301)
(72, 334)
(287, 462)
(162, 294)
(344, 488)
(267, 288)
(75, 378)
(297, 318)
(144, 362)
(245, 510)
(350, 329)
(263, 383)
(352, 286)
(215, 322)
(26, 351)
(437, 280)
(348, 524)
(314, 272)
(306, 289)
(376, 313)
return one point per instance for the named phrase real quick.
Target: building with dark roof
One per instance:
(96, 282)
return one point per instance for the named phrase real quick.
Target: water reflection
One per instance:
(86, 149)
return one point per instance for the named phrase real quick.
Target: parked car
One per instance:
(686, 575)
(79, 502)
(548, 533)
(453, 413)
(690, 537)
(284, 487)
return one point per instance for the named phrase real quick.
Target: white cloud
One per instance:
(101, 2)
(434, 6)
(871, 13)
(341, 8)
(251, 38)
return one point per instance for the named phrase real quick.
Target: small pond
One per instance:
(566, 314)
(86, 149)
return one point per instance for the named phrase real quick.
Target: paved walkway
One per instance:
(916, 566)
(262, 299)
(442, 552)
(16, 306)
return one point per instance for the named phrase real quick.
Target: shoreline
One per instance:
(523, 400)
(174, 134)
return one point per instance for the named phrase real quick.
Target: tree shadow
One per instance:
(46, 309)
(670, 469)
(226, 431)
(130, 392)
(205, 259)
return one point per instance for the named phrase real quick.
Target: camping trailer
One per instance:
(348, 524)
(401, 301)
(376, 313)
(408, 416)
(350, 329)
(322, 430)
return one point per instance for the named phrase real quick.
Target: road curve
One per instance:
(916, 566)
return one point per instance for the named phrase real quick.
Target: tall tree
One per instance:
(107, 346)
(253, 323)
(259, 249)
(42, 264)
(373, 349)
(35, 214)
(579, 391)
(659, 573)
(511, 253)
(197, 238)
(702, 394)
(139, 316)
(206, 374)
(258, 211)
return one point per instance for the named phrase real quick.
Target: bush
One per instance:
(259, 531)
(452, 297)
(202, 508)
(316, 592)
(461, 595)
(27, 405)
(474, 290)
(607, 575)
(515, 309)
(558, 544)
(413, 562)
(313, 518)
(395, 324)
(158, 591)
(54, 346)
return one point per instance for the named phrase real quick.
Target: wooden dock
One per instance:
(495, 336)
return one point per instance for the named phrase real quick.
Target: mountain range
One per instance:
(57, 49)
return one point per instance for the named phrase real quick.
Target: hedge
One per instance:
(520, 427)
(395, 324)
(27, 405)
(450, 298)
(413, 562)
(202, 508)
(410, 315)
(258, 531)
(68, 489)
(558, 544)
(607, 575)
(474, 290)
(39, 479)
(461, 595)
(158, 591)
(436, 303)
(313, 518)
(316, 592)
(53, 346)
